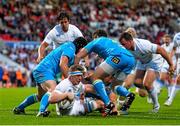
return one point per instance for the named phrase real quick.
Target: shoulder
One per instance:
(65, 83)
(73, 27)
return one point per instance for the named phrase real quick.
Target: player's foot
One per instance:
(156, 108)
(115, 113)
(43, 114)
(149, 100)
(17, 110)
(108, 109)
(168, 103)
(129, 99)
(121, 112)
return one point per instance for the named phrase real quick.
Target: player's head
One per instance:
(64, 20)
(79, 43)
(166, 39)
(126, 40)
(99, 33)
(131, 31)
(76, 74)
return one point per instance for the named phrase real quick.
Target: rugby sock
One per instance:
(122, 91)
(169, 88)
(160, 82)
(44, 102)
(174, 90)
(154, 96)
(100, 89)
(28, 101)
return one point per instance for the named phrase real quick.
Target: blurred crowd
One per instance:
(31, 20)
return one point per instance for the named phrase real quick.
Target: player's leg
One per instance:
(48, 86)
(29, 101)
(149, 78)
(99, 86)
(124, 68)
(174, 90)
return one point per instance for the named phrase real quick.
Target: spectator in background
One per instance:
(19, 78)
(12, 77)
(5, 78)
(1, 74)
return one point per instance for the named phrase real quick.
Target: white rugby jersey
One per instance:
(169, 47)
(57, 36)
(145, 51)
(176, 40)
(66, 86)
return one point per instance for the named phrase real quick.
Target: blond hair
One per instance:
(131, 31)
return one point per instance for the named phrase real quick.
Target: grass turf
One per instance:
(138, 115)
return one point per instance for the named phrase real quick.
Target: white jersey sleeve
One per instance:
(144, 50)
(176, 40)
(64, 86)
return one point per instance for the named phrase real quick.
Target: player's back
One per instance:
(51, 61)
(105, 47)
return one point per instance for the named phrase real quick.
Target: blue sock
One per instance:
(100, 89)
(28, 101)
(122, 91)
(44, 102)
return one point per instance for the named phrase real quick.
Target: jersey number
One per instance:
(115, 60)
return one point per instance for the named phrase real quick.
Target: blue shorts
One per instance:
(123, 63)
(42, 76)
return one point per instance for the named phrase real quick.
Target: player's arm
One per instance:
(41, 51)
(64, 66)
(80, 55)
(160, 50)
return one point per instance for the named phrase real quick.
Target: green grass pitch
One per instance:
(138, 115)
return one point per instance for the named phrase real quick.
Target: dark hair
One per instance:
(79, 43)
(63, 14)
(126, 36)
(99, 33)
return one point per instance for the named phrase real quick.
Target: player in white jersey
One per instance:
(69, 94)
(60, 34)
(148, 63)
(165, 78)
(130, 78)
(176, 49)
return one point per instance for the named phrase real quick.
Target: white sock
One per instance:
(154, 96)
(169, 90)
(174, 90)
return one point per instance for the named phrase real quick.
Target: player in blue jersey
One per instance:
(117, 61)
(44, 74)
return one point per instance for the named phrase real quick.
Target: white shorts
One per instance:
(154, 65)
(110, 70)
(165, 65)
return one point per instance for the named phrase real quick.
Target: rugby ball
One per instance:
(65, 104)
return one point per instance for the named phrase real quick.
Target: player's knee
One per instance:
(139, 85)
(142, 93)
(51, 99)
(178, 80)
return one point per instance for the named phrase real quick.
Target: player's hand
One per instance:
(39, 59)
(171, 70)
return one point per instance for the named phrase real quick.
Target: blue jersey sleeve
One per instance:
(69, 53)
(89, 47)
